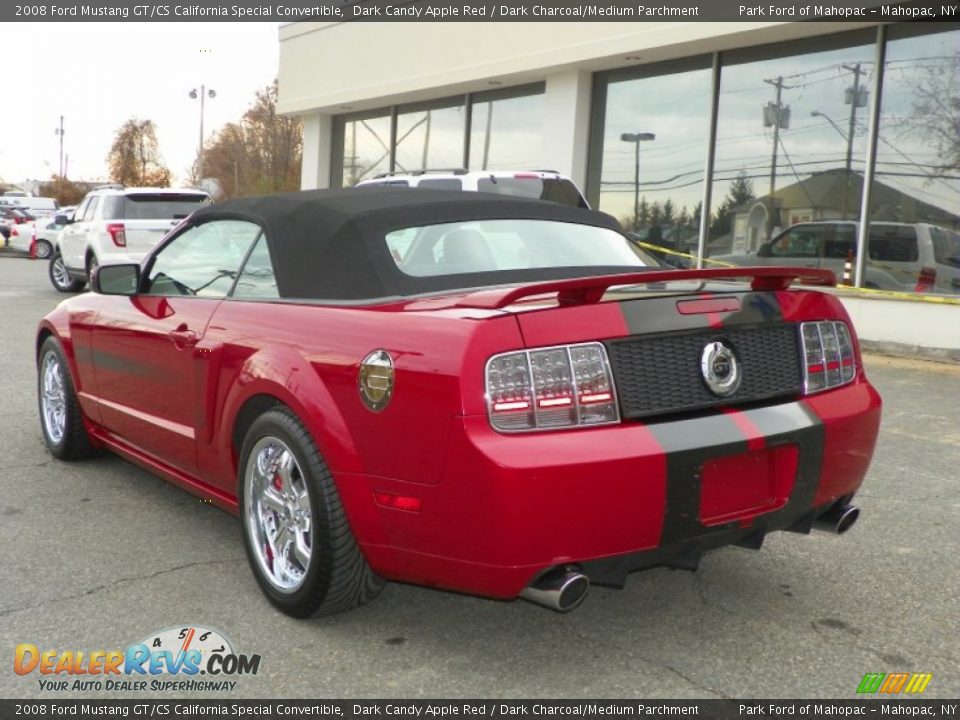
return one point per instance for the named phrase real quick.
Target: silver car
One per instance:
(906, 257)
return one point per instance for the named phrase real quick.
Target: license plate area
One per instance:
(742, 486)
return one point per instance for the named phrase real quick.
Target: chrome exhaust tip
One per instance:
(561, 589)
(838, 519)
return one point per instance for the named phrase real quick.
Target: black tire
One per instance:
(59, 278)
(92, 263)
(69, 440)
(336, 577)
(43, 249)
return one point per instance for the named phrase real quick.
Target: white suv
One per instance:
(114, 224)
(536, 184)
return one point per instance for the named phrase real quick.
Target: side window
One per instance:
(91, 208)
(81, 209)
(893, 243)
(843, 244)
(204, 260)
(257, 280)
(946, 246)
(801, 242)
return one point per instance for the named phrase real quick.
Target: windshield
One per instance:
(499, 245)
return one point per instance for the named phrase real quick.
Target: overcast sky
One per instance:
(98, 75)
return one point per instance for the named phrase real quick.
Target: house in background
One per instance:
(822, 196)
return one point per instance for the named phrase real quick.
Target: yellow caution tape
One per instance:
(892, 294)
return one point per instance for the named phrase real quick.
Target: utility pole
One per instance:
(59, 131)
(776, 115)
(854, 100)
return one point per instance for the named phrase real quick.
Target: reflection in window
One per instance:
(366, 148)
(791, 139)
(917, 177)
(203, 260)
(257, 279)
(507, 134)
(654, 142)
(430, 139)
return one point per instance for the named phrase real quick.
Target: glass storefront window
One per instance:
(430, 138)
(506, 132)
(655, 135)
(791, 148)
(915, 197)
(366, 148)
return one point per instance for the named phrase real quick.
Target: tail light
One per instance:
(118, 234)
(14, 231)
(827, 355)
(926, 280)
(558, 387)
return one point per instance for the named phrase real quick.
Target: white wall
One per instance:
(339, 67)
(903, 326)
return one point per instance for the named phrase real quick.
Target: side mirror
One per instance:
(764, 250)
(62, 219)
(116, 279)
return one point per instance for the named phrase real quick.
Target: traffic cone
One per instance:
(33, 244)
(848, 270)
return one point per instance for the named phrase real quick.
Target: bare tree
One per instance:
(134, 157)
(260, 154)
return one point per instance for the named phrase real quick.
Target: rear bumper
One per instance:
(617, 498)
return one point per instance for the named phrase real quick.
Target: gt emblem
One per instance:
(720, 368)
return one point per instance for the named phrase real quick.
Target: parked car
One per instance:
(9, 217)
(114, 224)
(45, 231)
(38, 207)
(905, 257)
(485, 394)
(537, 184)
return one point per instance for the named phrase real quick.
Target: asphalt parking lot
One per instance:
(98, 555)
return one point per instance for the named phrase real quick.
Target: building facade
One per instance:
(713, 136)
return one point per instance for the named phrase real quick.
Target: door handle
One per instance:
(183, 337)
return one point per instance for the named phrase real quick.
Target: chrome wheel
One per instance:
(43, 249)
(278, 514)
(58, 271)
(53, 397)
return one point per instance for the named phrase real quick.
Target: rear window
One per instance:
(503, 245)
(946, 246)
(162, 206)
(560, 191)
(893, 244)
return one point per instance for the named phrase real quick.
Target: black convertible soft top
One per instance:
(329, 244)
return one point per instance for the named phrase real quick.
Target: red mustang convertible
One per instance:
(486, 394)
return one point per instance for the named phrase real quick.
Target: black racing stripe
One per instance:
(156, 370)
(658, 314)
(796, 424)
(689, 444)
(755, 308)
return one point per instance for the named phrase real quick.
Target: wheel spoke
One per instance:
(284, 471)
(278, 515)
(301, 551)
(271, 499)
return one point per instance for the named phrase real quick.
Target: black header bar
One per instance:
(286, 11)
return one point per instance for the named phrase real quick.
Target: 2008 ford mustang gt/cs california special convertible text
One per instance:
(486, 394)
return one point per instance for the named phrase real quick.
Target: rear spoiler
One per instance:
(587, 290)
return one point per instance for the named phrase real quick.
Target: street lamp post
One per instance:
(847, 165)
(204, 93)
(59, 131)
(636, 139)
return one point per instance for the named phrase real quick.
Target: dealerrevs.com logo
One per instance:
(181, 659)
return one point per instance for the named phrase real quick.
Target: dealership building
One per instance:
(766, 124)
